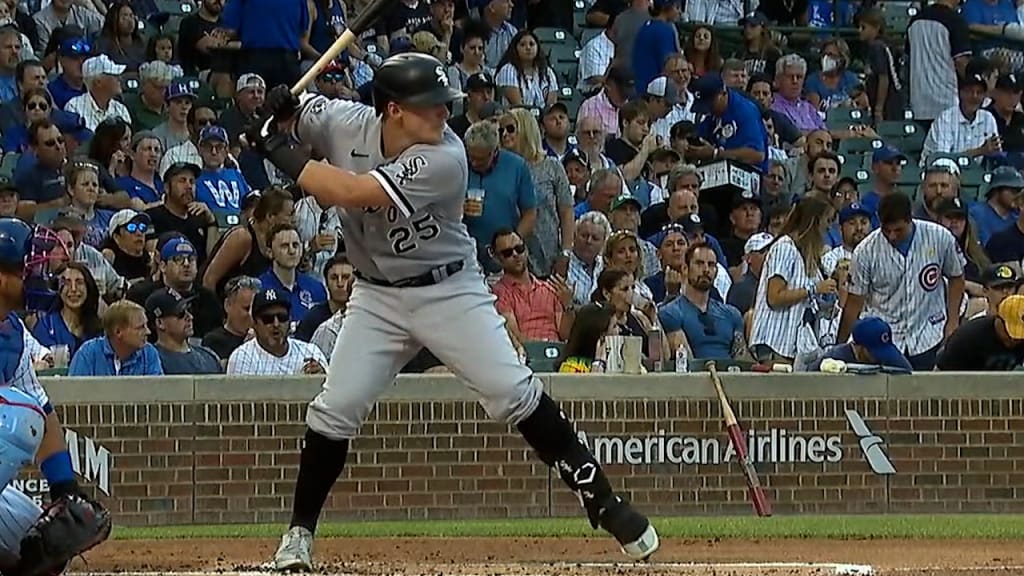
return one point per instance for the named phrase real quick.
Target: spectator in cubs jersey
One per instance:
(219, 187)
(897, 274)
(793, 289)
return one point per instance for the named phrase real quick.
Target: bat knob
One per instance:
(709, 365)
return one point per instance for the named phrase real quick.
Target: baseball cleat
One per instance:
(634, 532)
(295, 554)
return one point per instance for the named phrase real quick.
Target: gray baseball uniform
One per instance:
(419, 233)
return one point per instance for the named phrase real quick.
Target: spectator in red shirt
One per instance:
(535, 310)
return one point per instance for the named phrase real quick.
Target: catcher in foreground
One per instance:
(33, 541)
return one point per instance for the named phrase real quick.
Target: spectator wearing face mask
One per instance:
(832, 85)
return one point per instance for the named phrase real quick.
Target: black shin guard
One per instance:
(549, 432)
(320, 464)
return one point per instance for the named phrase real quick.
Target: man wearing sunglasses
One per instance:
(400, 175)
(272, 352)
(172, 321)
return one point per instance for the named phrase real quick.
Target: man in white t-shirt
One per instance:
(272, 352)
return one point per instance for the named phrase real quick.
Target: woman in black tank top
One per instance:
(242, 250)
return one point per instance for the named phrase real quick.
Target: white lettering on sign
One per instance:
(89, 460)
(773, 445)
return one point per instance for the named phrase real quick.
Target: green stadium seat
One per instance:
(8, 164)
(173, 25)
(542, 356)
(176, 7)
(854, 146)
(910, 180)
(572, 99)
(564, 59)
(548, 36)
(853, 167)
(842, 118)
(973, 179)
(579, 18)
(129, 85)
(898, 14)
(225, 220)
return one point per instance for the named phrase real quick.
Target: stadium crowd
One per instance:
(883, 223)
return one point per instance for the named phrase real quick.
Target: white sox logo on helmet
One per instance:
(930, 277)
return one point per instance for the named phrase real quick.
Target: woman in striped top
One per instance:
(524, 77)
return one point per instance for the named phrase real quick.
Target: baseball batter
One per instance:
(399, 176)
(29, 543)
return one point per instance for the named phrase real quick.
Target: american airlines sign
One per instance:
(774, 445)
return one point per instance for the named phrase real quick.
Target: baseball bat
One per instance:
(739, 442)
(364, 20)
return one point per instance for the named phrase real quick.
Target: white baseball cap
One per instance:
(101, 65)
(757, 242)
(250, 80)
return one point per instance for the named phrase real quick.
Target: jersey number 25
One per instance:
(405, 238)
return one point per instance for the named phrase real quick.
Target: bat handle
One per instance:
(710, 366)
(344, 41)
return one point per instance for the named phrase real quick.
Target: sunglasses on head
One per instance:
(241, 283)
(270, 318)
(508, 252)
(136, 227)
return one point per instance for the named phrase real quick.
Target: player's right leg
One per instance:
(371, 348)
(464, 331)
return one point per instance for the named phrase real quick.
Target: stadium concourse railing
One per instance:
(183, 450)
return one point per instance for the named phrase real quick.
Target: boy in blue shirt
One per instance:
(219, 187)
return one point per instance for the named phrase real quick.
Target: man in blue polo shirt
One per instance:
(304, 292)
(270, 32)
(123, 349)
(733, 127)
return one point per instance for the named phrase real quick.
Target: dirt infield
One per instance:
(568, 557)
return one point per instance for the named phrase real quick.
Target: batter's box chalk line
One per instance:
(490, 570)
(837, 569)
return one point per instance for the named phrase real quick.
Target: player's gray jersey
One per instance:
(908, 291)
(423, 228)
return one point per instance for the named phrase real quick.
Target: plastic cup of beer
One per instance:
(474, 202)
(60, 356)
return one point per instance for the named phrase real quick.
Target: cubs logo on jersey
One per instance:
(930, 277)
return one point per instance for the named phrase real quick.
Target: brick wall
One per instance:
(236, 461)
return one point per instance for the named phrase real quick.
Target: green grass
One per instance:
(995, 526)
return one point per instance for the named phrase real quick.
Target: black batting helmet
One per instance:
(412, 78)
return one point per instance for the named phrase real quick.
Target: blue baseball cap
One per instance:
(178, 90)
(704, 90)
(875, 335)
(177, 247)
(853, 209)
(213, 133)
(887, 154)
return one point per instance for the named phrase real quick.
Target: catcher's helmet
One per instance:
(412, 78)
(29, 250)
